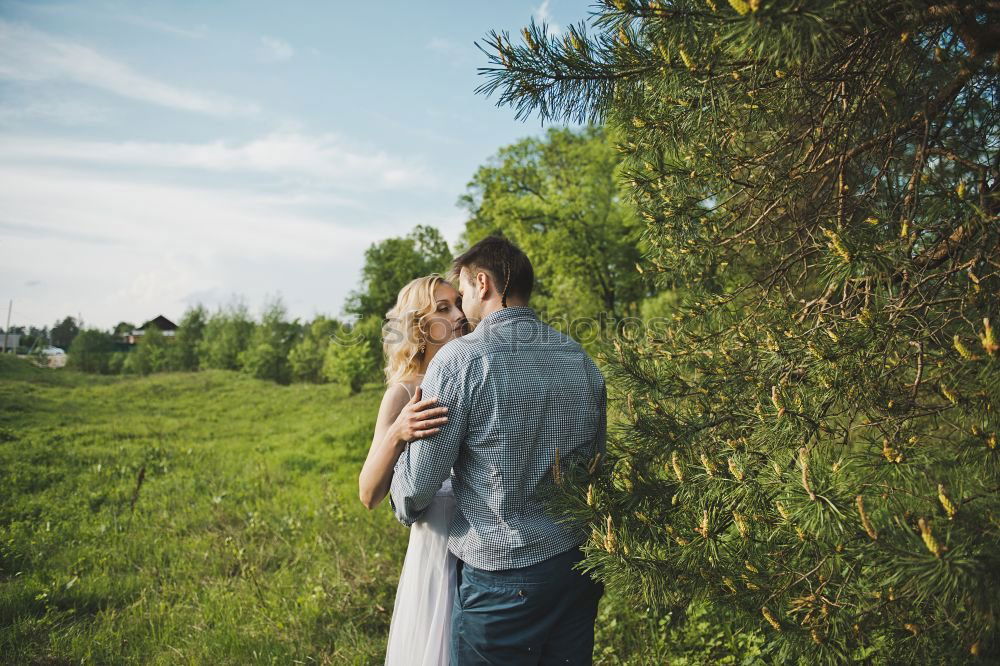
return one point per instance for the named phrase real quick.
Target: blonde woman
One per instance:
(427, 315)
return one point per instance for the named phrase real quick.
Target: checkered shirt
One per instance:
(516, 391)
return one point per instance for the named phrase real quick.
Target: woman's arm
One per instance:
(400, 420)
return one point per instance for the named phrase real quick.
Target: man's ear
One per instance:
(483, 284)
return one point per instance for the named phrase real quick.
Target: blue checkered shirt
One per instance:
(516, 391)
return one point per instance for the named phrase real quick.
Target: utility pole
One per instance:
(6, 330)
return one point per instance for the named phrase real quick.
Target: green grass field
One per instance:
(244, 543)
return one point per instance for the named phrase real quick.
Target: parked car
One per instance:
(56, 356)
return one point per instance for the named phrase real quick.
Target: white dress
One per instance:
(420, 629)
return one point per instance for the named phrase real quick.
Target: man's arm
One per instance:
(426, 463)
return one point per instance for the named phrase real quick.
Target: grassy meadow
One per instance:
(209, 517)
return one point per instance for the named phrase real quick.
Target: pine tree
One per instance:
(811, 446)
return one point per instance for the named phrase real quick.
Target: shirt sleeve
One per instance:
(426, 463)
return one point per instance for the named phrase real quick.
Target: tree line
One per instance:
(60, 335)
(558, 196)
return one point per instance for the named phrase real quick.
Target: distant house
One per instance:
(9, 342)
(168, 328)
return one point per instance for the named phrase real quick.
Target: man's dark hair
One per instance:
(505, 262)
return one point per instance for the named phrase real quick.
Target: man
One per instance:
(521, 397)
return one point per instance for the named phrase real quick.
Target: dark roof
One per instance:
(161, 322)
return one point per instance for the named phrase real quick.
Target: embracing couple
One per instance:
(483, 403)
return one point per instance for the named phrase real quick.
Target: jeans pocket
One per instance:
(484, 593)
(464, 589)
(461, 574)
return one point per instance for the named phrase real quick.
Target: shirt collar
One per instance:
(509, 312)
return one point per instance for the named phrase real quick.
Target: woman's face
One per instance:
(447, 321)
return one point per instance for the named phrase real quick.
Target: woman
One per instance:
(427, 315)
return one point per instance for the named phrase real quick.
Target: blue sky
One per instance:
(156, 155)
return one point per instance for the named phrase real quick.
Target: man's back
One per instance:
(517, 391)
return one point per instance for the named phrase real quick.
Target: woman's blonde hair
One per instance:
(402, 336)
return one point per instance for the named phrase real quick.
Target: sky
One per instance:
(154, 156)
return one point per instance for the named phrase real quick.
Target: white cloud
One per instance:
(275, 50)
(74, 11)
(198, 32)
(441, 45)
(453, 54)
(543, 15)
(149, 247)
(52, 108)
(326, 160)
(29, 55)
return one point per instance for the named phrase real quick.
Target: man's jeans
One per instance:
(541, 614)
